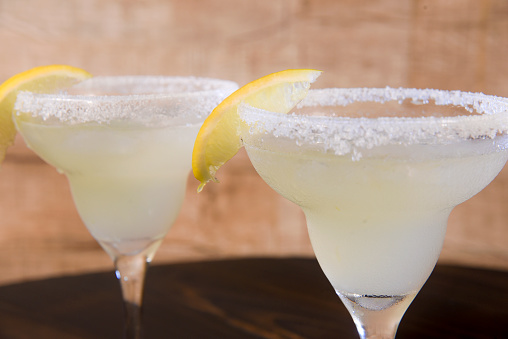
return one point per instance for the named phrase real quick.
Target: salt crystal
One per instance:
(148, 100)
(344, 135)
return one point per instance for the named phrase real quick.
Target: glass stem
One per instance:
(376, 317)
(131, 271)
(375, 329)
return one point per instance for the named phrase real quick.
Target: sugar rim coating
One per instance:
(343, 135)
(150, 100)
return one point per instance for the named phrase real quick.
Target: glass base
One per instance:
(376, 316)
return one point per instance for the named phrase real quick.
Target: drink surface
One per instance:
(376, 224)
(128, 182)
(125, 145)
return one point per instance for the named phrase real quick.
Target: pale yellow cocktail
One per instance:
(125, 145)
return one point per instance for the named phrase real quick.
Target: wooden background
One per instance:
(447, 44)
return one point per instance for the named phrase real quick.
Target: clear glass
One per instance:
(125, 145)
(377, 173)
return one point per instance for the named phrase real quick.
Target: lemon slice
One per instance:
(42, 79)
(219, 139)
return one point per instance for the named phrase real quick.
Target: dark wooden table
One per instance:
(247, 298)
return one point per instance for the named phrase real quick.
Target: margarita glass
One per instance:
(125, 145)
(377, 173)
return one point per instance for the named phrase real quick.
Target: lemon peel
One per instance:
(219, 138)
(41, 79)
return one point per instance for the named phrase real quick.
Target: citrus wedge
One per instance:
(42, 79)
(219, 138)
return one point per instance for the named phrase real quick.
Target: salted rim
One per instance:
(143, 99)
(344, 135)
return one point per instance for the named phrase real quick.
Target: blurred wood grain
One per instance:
(447, 44)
